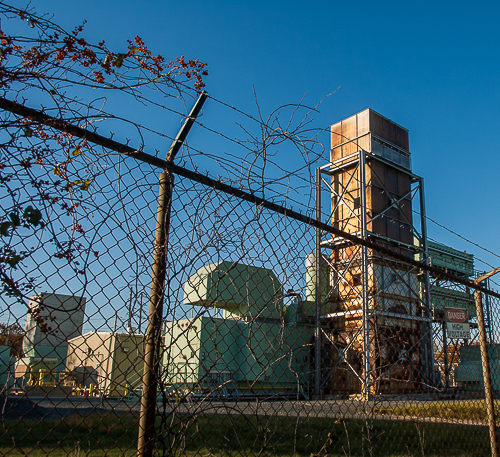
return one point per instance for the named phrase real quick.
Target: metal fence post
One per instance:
(318, 291)
(152, 339)
(488, 388)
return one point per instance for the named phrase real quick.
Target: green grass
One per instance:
(212, 435)
(468, 409)
(276, 436)
(95, 435)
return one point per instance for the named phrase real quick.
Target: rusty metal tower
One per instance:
(374, 318)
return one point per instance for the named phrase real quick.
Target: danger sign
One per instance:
(457, 323)
(456, 315)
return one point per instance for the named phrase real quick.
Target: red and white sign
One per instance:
(457, 323)
(456, 315)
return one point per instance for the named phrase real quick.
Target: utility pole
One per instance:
(488, 388)
(152, 340)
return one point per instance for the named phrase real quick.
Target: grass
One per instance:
(95, 435)
(467, 410)
(211, 435)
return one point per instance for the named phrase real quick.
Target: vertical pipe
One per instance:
(364, 273)
(317, 269)
(106, 384)
(428, 352)
(152, 341)
(445, 357)
(488, 388)
(129, 330)
(486, 284)
(140, 315)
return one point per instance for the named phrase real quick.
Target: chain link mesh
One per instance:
(271, 344)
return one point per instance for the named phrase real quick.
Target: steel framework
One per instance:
(377, 313)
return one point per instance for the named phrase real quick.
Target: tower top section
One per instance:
(374, 133)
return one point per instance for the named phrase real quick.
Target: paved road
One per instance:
(55, 408)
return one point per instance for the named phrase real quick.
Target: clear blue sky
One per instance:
(429, 66)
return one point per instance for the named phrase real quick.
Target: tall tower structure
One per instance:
(378, 323)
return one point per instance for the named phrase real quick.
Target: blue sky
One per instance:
(429, 66)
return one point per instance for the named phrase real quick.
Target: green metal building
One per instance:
(258, 346)
(469, 373)
(459, 263)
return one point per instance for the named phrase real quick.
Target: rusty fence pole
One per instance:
(488, 388)
(153, 337)
(152, 340)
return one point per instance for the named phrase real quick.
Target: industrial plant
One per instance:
(363, 324)
(368, 325)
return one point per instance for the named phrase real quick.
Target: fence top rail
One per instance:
(64, 126)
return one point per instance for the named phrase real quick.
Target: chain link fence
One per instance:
(279, 334)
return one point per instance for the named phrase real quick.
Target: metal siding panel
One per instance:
(349, 128)
(391, 180)
(406, 208)
(336, 134)
(377, 199)
(406, 234)
(389, 130)
(375, 173)
(365, 143)
(378, 226)
(376, 124)
(404, 183)
(393, 229)
(363, 120)
(402, 138)
(349, 132)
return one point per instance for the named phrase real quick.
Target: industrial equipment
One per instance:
(257, 348)
(52, 320)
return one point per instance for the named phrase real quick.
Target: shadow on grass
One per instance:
(114, 435)
(94, 434)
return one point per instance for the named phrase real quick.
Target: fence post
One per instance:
(488, 388)
(152, 340)
(317, 309)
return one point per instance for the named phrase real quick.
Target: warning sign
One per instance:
(457, 323)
